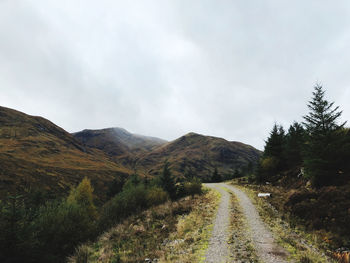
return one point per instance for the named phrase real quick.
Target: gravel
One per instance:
(267, 250)
(218, 251)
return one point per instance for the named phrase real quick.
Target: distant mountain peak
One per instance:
(118, 141)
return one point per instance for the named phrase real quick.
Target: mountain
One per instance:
(199, 155)
(194, 153)
(35, 153)
(118, 141)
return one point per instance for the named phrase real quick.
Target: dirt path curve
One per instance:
(218, 250)
(267, 250)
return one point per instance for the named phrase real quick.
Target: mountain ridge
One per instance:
(36, 152)
(206, 153)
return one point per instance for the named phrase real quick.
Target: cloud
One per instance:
(164, 68)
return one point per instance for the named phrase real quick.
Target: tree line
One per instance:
(317, 149)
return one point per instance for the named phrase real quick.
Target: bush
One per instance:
(156, 196)
(130, 200)
(193, 187)
(60, 226)
(81, 254)
(32, 231)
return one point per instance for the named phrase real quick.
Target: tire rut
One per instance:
(218, 251)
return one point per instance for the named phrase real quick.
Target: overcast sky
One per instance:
(168, 67)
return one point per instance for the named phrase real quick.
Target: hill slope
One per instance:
(34, 152)
(199, 155)
(117, 141)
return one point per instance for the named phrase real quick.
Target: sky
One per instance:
(226, 68)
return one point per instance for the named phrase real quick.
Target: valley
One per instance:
(113, 196)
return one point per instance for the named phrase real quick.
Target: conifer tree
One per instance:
(321, 125)
(274, 144)
(274, 149)
(167, 181)
(295, 140)
(322, 119)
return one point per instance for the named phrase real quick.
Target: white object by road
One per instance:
(264, 195)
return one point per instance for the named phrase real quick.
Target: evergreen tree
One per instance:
(322, 128)
(322, 119)
(274, 145)
(295, 140)
(167, 181)
(273, 160)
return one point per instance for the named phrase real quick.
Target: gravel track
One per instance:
(267, 250)
(218, 250)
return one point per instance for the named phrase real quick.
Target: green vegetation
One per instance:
(216, 178)
(311, 164)
(171, 232)
(44, 232)
(302, 245)
(167, 181)
(38, 230)
(324, 139)
(321, 146)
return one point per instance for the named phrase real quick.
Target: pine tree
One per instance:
(167, 181)
(295, 140)
(275, 143)
(322, 118)
(273, 155)
(321, 125)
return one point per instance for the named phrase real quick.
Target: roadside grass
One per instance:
(303, 246)
(190, 240)
(241, 245)
(171, 232)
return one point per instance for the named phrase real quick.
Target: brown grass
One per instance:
(170, 232)
(302, 246)
(242, 247)
(35, 153)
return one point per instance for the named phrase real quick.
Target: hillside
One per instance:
(36, 153)
(117, 141)
(199, 155)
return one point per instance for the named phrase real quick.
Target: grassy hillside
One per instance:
(117, 141)
(36, 153)
(198, 155)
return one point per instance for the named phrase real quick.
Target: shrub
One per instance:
(130, 200)
(193, 187)
(81, 254)
(156, 196)
(60, 226)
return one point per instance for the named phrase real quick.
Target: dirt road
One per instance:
(265, 245)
